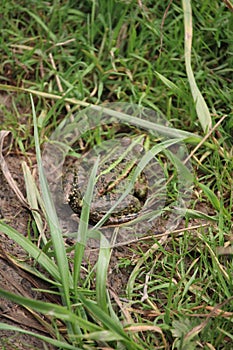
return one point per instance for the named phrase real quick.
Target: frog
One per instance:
(114, 176)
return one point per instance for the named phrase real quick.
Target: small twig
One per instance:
(229, 4)
(159, 235)
(124, 310)
(204, 139)
(162, 24)
(196, 330)
(65, 42)
(6, 171)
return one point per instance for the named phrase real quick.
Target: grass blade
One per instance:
(83, 226)
(32, 250)
(37, 18)
(101, 275)
(201, 107)
(51, 309)
(55, 229)
(110, 324)
(32, 197)
(57, 343)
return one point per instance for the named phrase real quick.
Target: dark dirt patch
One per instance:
(12, 278)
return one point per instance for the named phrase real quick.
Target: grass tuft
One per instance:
(169, 290)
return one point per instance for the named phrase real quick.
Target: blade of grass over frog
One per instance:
(110, 323)
(104, 254)
(146, 124)
(201, 107)
(31, 249)
(140, 166)
(55, 229)
(58, 343)
(83, 226)
(32, 195)
(164, 130)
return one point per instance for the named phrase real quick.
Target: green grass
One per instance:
(179, 291)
